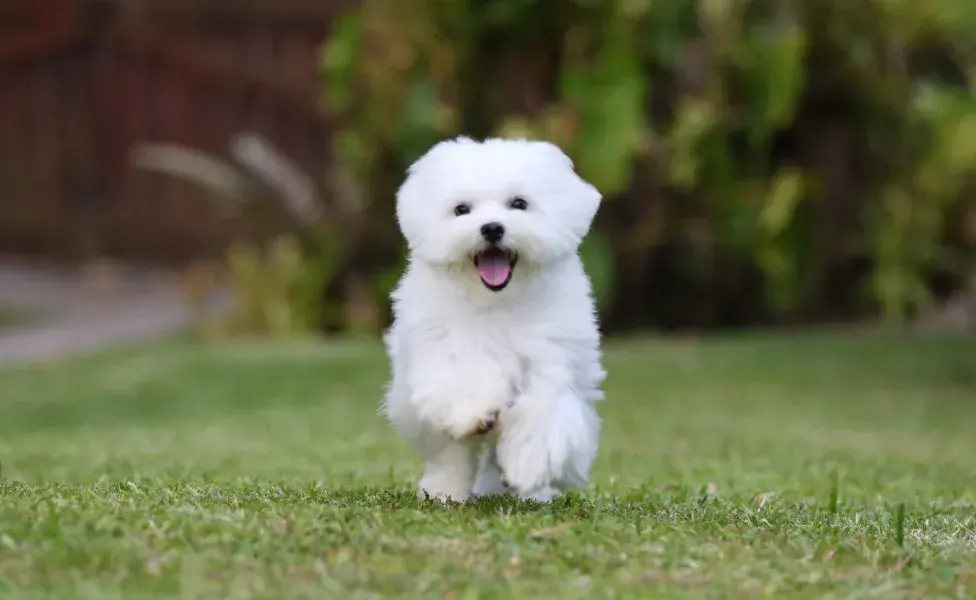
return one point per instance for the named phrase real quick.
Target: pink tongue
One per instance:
(494, 270)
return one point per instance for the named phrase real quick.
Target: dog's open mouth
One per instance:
(495, 267)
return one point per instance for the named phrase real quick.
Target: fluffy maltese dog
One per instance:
(494, 346)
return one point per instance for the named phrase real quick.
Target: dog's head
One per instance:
(483, 208)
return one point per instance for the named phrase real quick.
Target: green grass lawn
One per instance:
(789, 467)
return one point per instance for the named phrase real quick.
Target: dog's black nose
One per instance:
(492, 232)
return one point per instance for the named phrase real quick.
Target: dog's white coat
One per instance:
(530, 353)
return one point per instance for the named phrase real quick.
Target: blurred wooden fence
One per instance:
(83, 82)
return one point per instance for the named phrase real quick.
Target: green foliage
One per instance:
(278, 289)
(607, 95)
(908, 233)
(804, 137)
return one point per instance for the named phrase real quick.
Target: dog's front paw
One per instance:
(448, 476)
(482, 426)
(442, 491)
(462, 411)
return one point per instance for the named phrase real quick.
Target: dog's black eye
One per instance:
(518, 203)
(462, 209)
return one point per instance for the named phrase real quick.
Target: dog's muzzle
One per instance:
(495, 266)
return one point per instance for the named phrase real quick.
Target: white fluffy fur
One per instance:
(529, 353)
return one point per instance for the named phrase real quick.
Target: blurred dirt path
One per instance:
(73, 310)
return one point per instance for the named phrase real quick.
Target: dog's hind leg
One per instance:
(488, 481)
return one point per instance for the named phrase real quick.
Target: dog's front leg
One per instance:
(448, 472)
(463, 403)
(548, 437)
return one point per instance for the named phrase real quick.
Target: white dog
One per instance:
(495, 346)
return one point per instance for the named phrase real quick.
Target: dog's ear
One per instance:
(554, 153)
(413, 202)
(587, 200)
(585, 197)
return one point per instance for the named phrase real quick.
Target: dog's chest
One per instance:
(492, 344)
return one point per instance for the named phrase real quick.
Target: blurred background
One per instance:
(232, 164)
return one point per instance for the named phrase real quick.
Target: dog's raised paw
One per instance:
(478, 428)
(487, 424)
